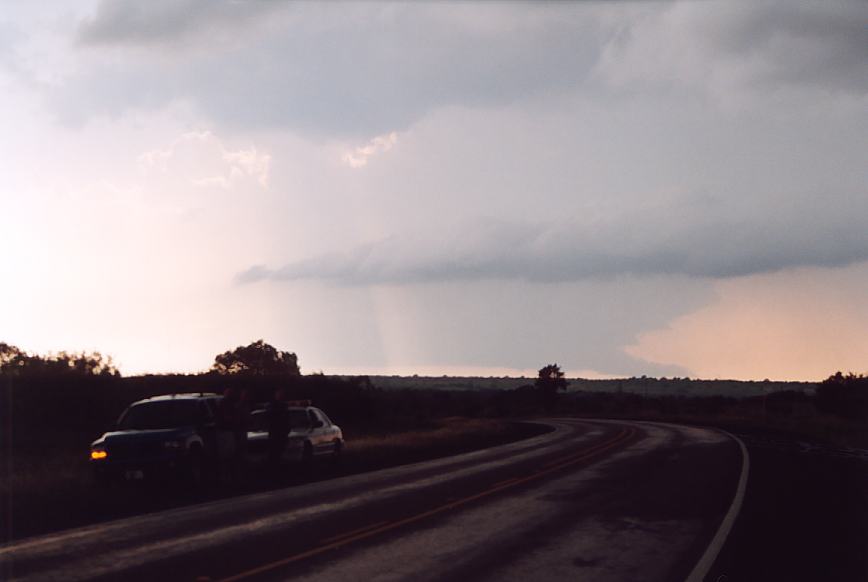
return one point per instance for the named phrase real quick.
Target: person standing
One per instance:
(240, 428)
(278, 428)
(227, 428)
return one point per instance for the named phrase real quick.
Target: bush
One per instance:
(844, 396)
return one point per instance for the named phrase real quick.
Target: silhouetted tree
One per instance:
(551, 379)
(845, 396)
(16, 362)
(258, 358)
(548, 383)
(10, 357)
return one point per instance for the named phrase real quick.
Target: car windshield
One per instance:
(159, 415)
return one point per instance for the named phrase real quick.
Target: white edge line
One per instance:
(702, 568)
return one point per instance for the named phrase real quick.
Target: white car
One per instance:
(312, 434)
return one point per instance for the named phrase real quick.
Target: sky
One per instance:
(623, 188)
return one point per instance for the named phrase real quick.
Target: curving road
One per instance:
(591, 500)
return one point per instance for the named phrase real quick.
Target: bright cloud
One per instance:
(207, 161)
(358, 157)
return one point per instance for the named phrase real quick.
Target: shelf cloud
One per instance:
(811, 233)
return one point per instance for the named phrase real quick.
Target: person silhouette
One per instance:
(227, 429)
(278, 428)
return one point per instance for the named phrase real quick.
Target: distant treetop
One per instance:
(258, 358)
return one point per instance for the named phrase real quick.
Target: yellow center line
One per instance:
(506, 482)
(621, 433)
(352, 533)
(388, 526)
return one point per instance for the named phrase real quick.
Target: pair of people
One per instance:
(233, 423)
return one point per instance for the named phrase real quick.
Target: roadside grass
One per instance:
(52, 474)
(827, 429)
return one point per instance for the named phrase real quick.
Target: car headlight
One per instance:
(173, 445)
(98, 454)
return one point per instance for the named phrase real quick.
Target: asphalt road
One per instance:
(592, 500)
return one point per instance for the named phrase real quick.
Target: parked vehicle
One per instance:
(163, 436)
(176, 435)
(312, 434)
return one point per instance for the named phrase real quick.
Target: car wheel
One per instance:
(307, 454)
(337, 451)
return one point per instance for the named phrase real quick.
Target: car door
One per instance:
(319, 432)
(332, 432)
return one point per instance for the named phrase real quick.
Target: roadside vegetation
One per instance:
(52, 407)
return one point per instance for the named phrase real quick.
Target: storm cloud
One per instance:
(724, 47)
(365, 70)
(332, 69)
(714, 242)
(130, 23)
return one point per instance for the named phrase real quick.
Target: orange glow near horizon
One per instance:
(798, 325)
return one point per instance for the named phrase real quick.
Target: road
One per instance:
(591, 500)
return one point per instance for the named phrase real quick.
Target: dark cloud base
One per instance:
(572, 252)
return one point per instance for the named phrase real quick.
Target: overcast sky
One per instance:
(624, 188)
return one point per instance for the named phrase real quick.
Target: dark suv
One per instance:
(172, 435)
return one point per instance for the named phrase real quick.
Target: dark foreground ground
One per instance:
(76, 501)
(601, 501)
(805, 514)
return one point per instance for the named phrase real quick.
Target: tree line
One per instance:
(16, 362)
(86, 388)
